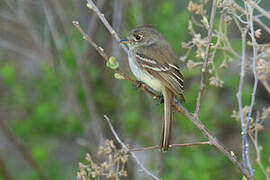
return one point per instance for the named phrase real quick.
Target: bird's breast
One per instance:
(143, 75)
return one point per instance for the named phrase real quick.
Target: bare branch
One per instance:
(256, 19)
(239, 93)
(191, 144)
(171, 146)
(257, 7)
(91, 5)
(254, 62)
(213, 140)
(205, 63)
(132, 154)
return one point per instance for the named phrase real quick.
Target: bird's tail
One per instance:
(167, 124)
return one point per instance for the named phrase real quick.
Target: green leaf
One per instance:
(112, 63)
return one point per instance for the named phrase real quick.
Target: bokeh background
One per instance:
(55, 90)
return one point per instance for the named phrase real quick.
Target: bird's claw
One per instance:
(138, 85)
(160, 100)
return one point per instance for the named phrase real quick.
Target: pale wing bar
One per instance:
(169, 72)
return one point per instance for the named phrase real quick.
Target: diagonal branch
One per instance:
(91, 5)
(257, 7)
(256, 19)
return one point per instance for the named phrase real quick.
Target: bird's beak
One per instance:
(124, 41)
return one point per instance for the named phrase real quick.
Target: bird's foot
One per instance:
(138, 85)
(160, 99)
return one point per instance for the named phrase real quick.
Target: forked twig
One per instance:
(257, 7)
(256, 19)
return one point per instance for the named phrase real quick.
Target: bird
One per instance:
(153, 62)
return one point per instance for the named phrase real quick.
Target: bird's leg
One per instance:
(160, 99)
(138, 85)
(141, 84)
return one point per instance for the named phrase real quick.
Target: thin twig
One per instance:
(91, 5)
(257, 7)
(145, 148)
(126, 148)
(256, 19)
(99, 49)
(191, 144)
(171, 145)
(205, 63)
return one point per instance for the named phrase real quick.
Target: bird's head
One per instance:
(141, 36)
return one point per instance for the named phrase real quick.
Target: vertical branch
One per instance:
(239, 93)
(205, 63)
(254, 62)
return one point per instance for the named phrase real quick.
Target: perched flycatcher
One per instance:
(152, 61)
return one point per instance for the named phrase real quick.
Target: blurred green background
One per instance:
(55, 90)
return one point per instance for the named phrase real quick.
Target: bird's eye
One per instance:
(138, 37)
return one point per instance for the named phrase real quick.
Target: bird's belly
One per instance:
(144, 76)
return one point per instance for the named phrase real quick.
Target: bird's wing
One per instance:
(152, 60)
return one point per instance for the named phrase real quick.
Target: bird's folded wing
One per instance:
(167, 73)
